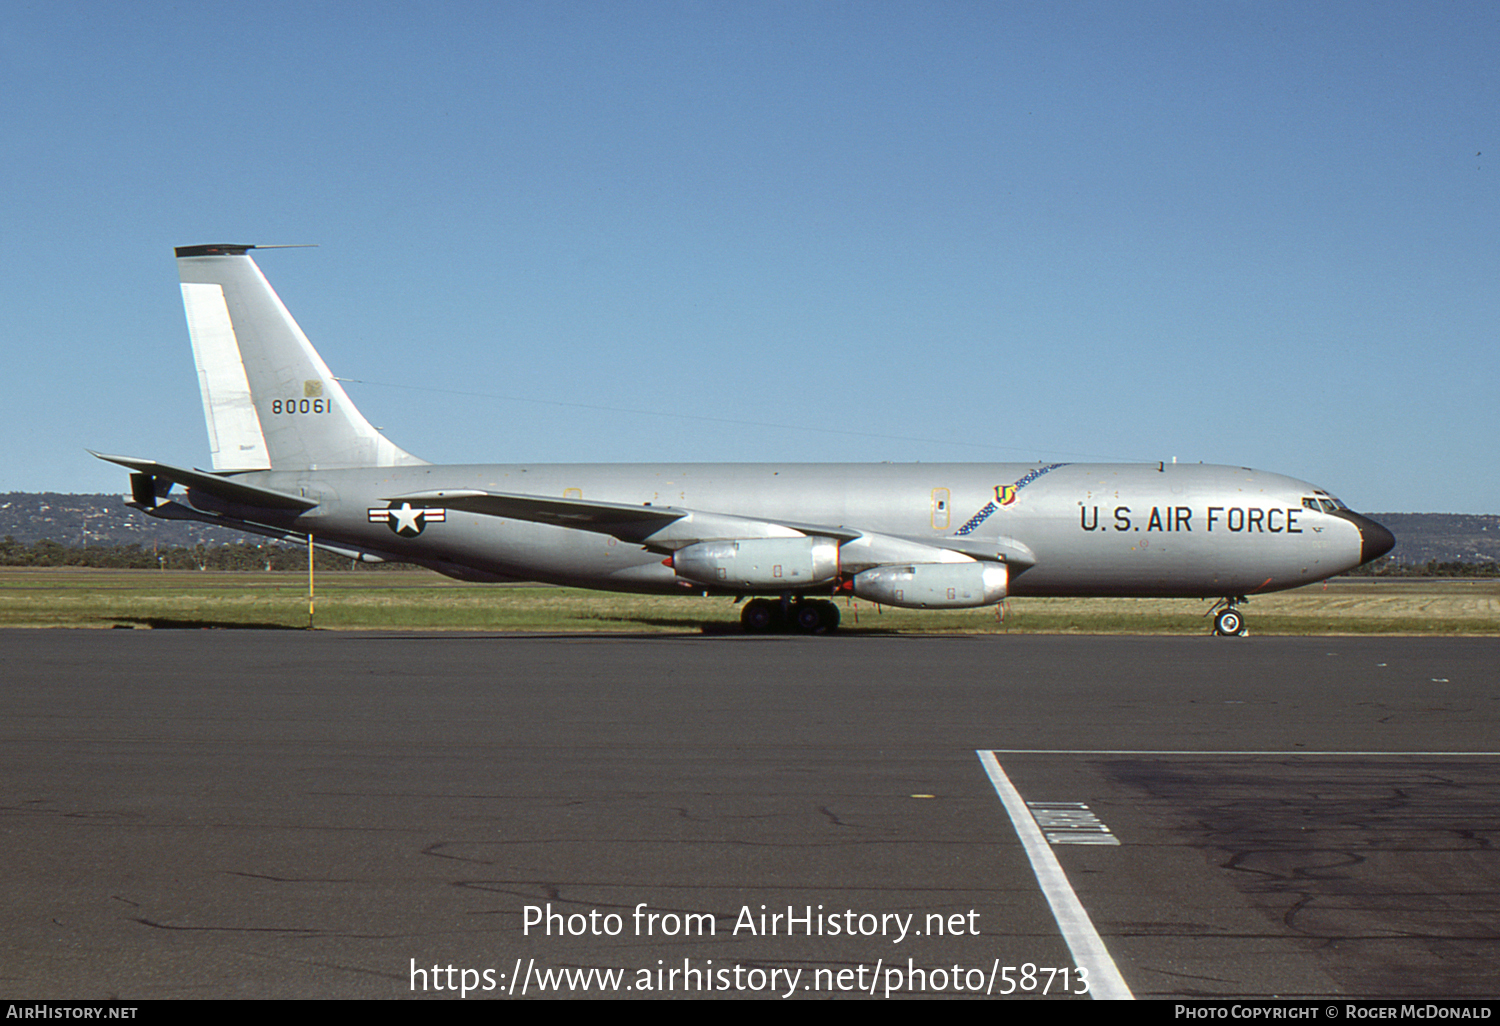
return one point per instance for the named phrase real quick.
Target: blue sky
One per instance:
(1261, 234)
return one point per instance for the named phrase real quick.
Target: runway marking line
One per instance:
(1105, 981)
(1169, 751)
(1072, 919)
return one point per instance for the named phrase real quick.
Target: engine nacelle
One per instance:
(759, 564)
(934, 585)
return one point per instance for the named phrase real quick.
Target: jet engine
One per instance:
(759, 564)
(934, 585)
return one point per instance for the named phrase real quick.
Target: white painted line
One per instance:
(1070, 823)
(1168, 751)
(1105, 981)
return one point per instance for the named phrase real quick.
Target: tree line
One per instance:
(1388, 567)
(234, 556)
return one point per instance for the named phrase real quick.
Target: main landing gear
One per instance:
(810, 616)
(1228, 621)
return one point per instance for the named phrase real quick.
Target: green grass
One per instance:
(421, 601)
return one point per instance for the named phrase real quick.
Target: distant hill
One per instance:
(80, 520)
(1444, 537)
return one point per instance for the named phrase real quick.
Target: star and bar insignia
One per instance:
(407, 520)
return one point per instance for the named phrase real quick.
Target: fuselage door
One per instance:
(941, 505)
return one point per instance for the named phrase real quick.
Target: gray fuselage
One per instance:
(1087, 529)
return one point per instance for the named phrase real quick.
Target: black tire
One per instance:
(809, 617)
(830, 617)
(757, 616)
(1229, 623)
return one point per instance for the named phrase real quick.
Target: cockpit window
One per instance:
(1326, 503)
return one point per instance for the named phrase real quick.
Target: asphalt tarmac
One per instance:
(217, 814)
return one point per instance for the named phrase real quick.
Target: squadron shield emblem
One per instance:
(1005, 495)
(407, 520)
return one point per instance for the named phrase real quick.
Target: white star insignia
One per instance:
(406, 519)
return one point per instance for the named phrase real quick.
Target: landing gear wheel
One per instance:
(830, 616)
(1229, 624)
(809, 617)
(757, 616)
(817, 616)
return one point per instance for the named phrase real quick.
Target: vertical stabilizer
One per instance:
(270, 401)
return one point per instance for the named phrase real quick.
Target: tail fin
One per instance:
(270, 401)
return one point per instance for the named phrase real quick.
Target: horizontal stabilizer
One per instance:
(213, 484)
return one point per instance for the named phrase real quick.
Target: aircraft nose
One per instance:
(1374, 540)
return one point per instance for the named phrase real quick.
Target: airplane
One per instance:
(294, 459)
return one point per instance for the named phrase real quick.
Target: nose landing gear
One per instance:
(1228, 621)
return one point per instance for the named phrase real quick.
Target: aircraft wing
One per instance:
(1005, 550)
(666, 528)
(217, 485)
(585, 516)
(669, 528)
